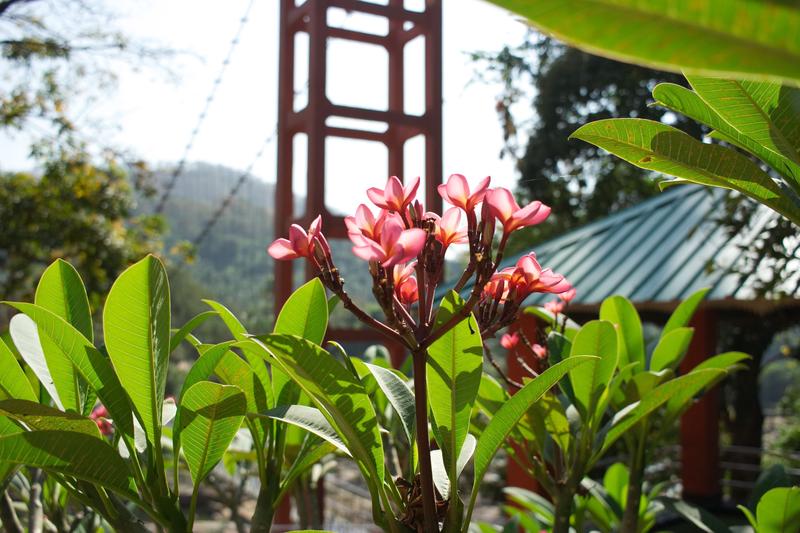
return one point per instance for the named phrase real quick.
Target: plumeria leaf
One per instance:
(598, 338)
(34, 415)
(180, 335)
(671, 349)
(211, 414)
(61, 291)
(683, 314)
(753, 40)
(73, 454)
(136, 326)
(620, 311)
(13, 382)
(509, 415)
(95, 368)
(308, 418)
(454, 368)
(399, 395)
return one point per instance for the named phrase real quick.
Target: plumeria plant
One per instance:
(629, 394)
(95, 418)
(404, 247)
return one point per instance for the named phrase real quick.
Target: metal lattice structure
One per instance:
(404, 26)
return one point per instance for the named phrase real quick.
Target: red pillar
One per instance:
(700, 468)
(516, 476)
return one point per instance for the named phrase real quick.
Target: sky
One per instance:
(153, 114)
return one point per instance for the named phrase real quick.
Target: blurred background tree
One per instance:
(78, 203)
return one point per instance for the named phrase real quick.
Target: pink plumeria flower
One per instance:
(513, 217)
(365, 225)
(394, 197)
(447, 227)
(405, 283)
(299, 244)
(568, 296)
(509, 341)
(556, 307)
(457, 192)
(397, 245)
(100, 416)
(537, 279)
(497, 288)
(539, 350)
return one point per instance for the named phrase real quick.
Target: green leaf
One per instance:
(713, 37)
(698, 517)
(598, 338)
(61, 291)
(13, 382)
(509, 415)
(454, 368)
(233, 370)
(658, 147)
(305, 313)
(761, 111)
(441, 477)
(615, 481)
(683, 386)
(684, 312)
(547, 317)
(137, 334)
(338, 394)
(308, 418)
(211, 414)
(620, 311)
(671, 349)
(195, 322)
(73, 454)
(687, 102)
(779, 511)
(28, 341)
(92, 365)
(724, 361)
(400, 396)
(38, 416)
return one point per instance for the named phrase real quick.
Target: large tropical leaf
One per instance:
(340, 397)
(186, 330)
(598, 338)
(683, 386)
(441, 477)
(620, 311)
(454, 367)
(92, 365)
(136, 327)
(34, 415)
(734, 38)
(13, 382)
(671, 349)
(683, 314)
(73, 454)
(764, 112)
(305, 313)
(779, 510)
(658, 147)
(399, 395)
(61, 291)
(509, 415)
(211, 414)
(27, 340)
(687, 102)
(308, 418)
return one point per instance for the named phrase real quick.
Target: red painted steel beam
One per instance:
(699, 430)
(311, 17)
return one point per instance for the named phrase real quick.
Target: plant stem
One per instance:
(563, 509)
(264, 513)
(630, 518)
(8, 517)
(423, 441)
(193, 506)
(35, 509)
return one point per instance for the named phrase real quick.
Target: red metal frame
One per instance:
(311, 17)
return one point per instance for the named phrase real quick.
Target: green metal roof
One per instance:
(661, 250)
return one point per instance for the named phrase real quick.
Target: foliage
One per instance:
(626, 394)
(569, 87)
(749, 40)
(120, 451)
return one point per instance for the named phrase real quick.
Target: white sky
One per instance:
(154, 116)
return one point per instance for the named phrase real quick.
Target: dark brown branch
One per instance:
(496, 366)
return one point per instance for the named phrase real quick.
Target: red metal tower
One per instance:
(404, 25)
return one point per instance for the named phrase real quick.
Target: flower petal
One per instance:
(282, 249)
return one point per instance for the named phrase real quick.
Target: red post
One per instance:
(404, 25)
(516, 476)
(700, 468)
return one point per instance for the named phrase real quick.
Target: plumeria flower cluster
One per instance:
(405, 246)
